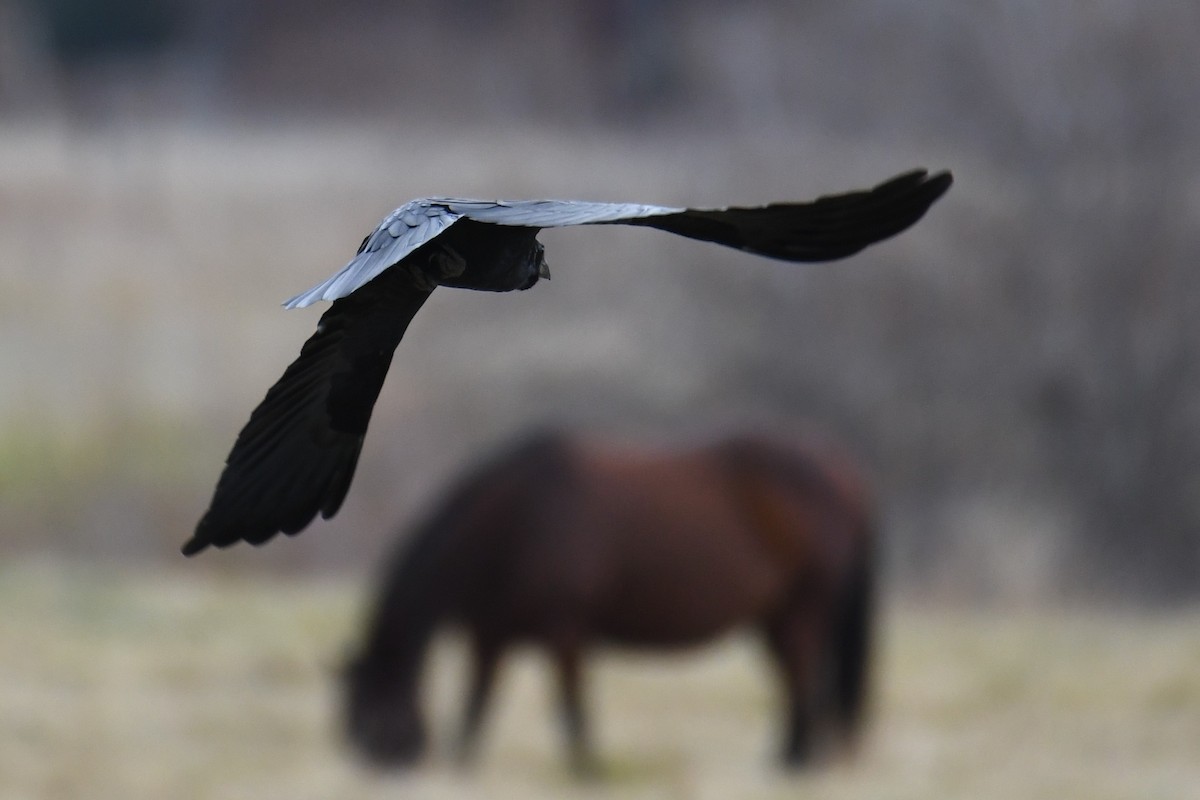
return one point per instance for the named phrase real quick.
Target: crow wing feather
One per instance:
(401, 233)
(296, 456)
(825, 229)
(830, 227)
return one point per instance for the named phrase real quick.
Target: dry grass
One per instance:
(115, 684)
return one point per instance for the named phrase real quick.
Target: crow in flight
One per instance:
(296, 455)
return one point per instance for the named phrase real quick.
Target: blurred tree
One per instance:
(78, 30)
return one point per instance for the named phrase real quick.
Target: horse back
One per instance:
(631, 545)
(678, 560)
(807, 500)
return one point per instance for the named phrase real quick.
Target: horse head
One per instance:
(382, 719)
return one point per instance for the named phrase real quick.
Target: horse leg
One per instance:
(569, 654)
(486, 659)
(853, 650)
(794, 642)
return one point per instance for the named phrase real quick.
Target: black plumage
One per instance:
(296, 456)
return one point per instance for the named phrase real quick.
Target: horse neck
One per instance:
(417, 597)
(450, 548)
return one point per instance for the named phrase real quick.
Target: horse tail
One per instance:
(855, 629)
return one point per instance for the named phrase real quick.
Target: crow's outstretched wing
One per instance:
(825, 229)
(822, 230)
(296, 456)
(419, 221)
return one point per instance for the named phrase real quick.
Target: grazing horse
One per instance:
(565, 543)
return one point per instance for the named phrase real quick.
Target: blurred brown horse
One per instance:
(565, 543)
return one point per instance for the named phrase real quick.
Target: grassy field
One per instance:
(118, 684)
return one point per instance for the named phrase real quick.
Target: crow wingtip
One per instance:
(938, 182)
(193, 546)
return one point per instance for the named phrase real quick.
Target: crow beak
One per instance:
(543, 269)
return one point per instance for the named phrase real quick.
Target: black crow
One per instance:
(296, 456)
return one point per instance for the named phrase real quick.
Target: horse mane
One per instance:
(418, 586)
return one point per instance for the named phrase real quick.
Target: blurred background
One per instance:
(1020, 372)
